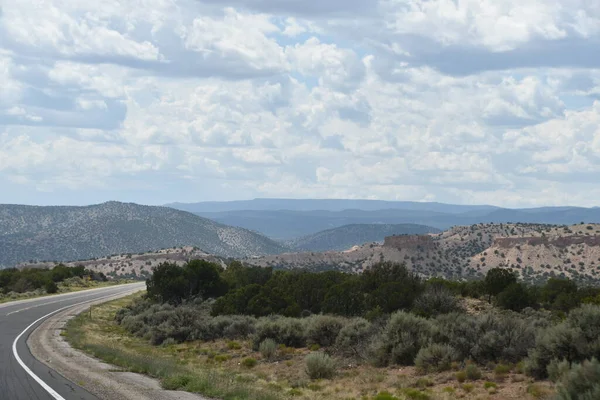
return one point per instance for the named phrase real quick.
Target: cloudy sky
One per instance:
(152, 101)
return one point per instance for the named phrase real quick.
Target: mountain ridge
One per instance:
(65, 233)
(346, 236)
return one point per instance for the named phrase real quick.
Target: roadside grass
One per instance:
(218, 370)
(63, 287)
(101, 337)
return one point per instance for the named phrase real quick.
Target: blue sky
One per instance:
(154, 101)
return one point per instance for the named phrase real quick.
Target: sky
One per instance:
(155, 101)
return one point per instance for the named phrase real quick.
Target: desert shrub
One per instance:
(472, 372)
(135, 325)
(558, 342)
(461, 376)
(515, 297)
(436, 300)
(268, 348)
(319, 366)
(385, 396)
(401, 339)
(177, 324)
(323, 329)
(556, 369)
(504, 337)
(461, 331)
(51, 287)
(353, 338)
(487, 337)
(501, 370)
(233, 345)
(581, 382)
(287, 331)
(435, 357)
(249, 362)
(225, 326)
(574, 340)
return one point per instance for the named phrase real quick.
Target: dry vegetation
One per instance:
(535, 251)
(235, 370)
(136, 265)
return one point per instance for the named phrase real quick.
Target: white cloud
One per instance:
(233, 37)
(332, 66)
(397, 99)
(498, 25)
(67, 29)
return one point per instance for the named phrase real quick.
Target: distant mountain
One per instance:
(322, 204)
(287, 224)
(347, 236)
(74, 233)
(534, 251)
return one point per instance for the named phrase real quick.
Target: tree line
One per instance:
(382, 289)
(30, 279)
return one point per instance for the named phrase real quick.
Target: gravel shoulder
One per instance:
(103, 380)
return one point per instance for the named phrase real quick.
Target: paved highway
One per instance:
(22, 377)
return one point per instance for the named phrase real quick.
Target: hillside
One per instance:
(346, 236)
(136, 265)
(300, 220)
(535, 251)
(74, 233)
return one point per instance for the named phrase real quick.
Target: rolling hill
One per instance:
(283, 219)
(73, 233)
(535, 251)
(344, 237)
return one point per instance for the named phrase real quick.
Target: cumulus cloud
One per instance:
(476, 101)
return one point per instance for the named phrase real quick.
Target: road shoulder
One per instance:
(103, 380)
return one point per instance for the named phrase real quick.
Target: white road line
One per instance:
(43, 384)
(47, 304)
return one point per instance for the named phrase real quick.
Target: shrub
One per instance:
(415, 394)
(385, 396)
(489, 385)
(241, 327)
(537, 391)
(226, 326)
(233, 345)
(319, 366)
(515, 297)
(461, 376)
(401, 339)
(488, 337)
(51, 287)
(472, 372)
(501, 369)
(353, 338)
(562, 342)
(435, 357)
(323, 329)
(287, 331)
(556, 369)
(467, 387)
(436, 300)
(249, 362)
(582, 381)
(268, 348)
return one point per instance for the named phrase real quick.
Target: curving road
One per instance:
(22, 377)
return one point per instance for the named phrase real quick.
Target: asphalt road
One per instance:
(15, 382)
